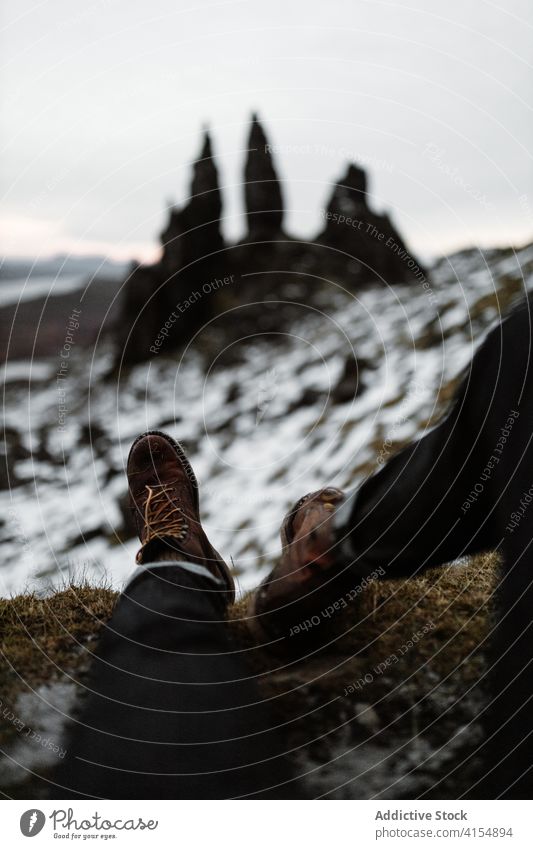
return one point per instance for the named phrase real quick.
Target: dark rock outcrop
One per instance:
(350, 385)
(139, 314)
(165, 304)
(199, 277)
(193, 235)
(262, 189)
(349, 195)
(368, 241)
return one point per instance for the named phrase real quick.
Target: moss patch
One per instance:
(44, 639)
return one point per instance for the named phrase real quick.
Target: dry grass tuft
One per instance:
(43, 638)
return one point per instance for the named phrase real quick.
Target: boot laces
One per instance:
(162, 515)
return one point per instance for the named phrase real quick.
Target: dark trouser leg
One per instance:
(455, 492)
(173, 712)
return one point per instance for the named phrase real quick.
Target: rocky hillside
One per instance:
(264, 420)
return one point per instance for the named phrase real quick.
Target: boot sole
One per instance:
(180, 452)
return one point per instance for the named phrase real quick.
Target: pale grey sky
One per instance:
(102, 104)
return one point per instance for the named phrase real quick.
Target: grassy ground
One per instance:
(378, 712)
(44, 638)
(397, 681)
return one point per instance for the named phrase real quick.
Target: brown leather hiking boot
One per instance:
(305, 579)
(164, 502)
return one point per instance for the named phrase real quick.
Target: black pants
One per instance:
(467, 486)
(174, 712)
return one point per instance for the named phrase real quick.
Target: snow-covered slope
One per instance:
(325, 403)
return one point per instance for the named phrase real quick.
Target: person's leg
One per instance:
(466, 487)
(463, 488)
(172, 711)
(452, 493)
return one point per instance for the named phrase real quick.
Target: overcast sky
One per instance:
(102, 105)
